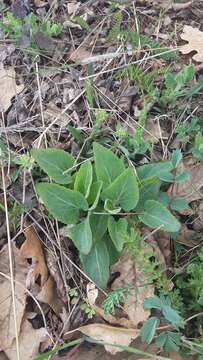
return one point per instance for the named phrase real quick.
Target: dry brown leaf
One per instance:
(29, 341)
(195, 42)
(110, 334)
(8, 87)
(192, 188)
(92, 294)
(130, 274)
(186, 237)
(154, 132)
(7, 329)
(80, 54)
(32, 249)
(48, 295)
(40, 3)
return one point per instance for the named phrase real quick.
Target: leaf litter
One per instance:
(59, 90)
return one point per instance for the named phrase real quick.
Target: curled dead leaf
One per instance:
(48, 295)
(8, 87)
(110, 335)
(194, 37)
(32, 249)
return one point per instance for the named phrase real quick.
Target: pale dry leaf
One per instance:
(92, 294)
(7, 328)
(195, 42)
(40, 3)
(186, 237)
(32, 249)
(192, 188)
(8, 87)
(130, 274)
(154, 132)
(48, 295)
(111, 335)
(80, 54)
(29, 342)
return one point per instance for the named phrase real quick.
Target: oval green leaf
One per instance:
(54, 162)
(62, 203)
(96, 264)
(81, 235)
(123, 191)
(118, 232)
(108, 166)
(157, 214)
(83, 178)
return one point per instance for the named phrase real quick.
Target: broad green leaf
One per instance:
(94, 194)
(114, 255)
(76, 133)
(123, 191)
(54, 162)
(157, 214)
(170, 341)
(96, 264)
(176, 157)
(179, 204)
(83, 180)
(109, 207)
(185, 75)
(108, 165)
(118, 232)
(148, 329)
(81, 235)
(148, 190)
(98, 224)
(172, 315)
(163, 198)
(155, 169)
(62, 203)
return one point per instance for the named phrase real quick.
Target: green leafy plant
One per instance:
(30, 32)
(95, 200)
(186, 131)
(168, 340)
(197, 149)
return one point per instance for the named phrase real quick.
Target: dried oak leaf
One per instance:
(7, 329)
(192, 188)
(131, 274)
(8, 87)
(111, 335)
(195, 42)
(29, 342)
(32, 249)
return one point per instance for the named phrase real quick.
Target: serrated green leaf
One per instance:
(148, 329)
(123, 191)
(96, 264)
(94, 194)
(118, 232)
(62, 203)
(157, 214)
(81, 235)
(83, 180)
(169, 341)
(172, 315)
(152, 303)
(108, 166)
(54, 162)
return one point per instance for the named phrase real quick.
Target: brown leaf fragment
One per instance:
(29, 342)
(80, 54)
(192, 188)
(194, 37)
(111, 335)
(7, 328)
(32, 249)
(8, 87)
(186, 237)
(130, 274)
(48, 295)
